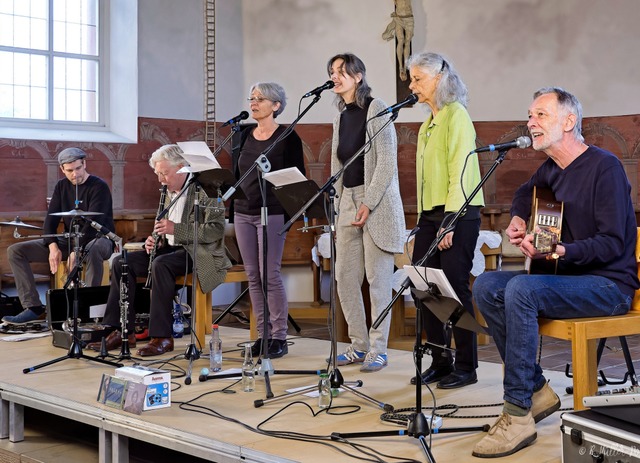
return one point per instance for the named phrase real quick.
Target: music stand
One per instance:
(418, 427)
(293, 197)
(207, 174)
(263, 165)
(335, 376)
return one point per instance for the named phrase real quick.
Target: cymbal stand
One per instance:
(75, 349)
(335, 377)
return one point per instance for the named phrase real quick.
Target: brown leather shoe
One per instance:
(157, 346)
(113, 341)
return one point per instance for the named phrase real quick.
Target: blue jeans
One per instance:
(511, 303)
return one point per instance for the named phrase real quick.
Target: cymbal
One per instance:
(19, 223)
(75, 213)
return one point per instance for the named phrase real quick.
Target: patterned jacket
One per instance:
(211, 260)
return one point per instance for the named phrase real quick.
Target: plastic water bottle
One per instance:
(178, 322)
(324, 391)
(215, 349)
(248, 373)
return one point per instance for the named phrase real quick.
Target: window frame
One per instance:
(118, 99)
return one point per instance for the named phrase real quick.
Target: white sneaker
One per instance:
(374, 362)
(350, 356)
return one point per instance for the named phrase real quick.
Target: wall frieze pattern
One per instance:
(134, 190)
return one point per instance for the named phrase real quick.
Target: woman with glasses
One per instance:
(267, 100)
(370, 223)
(445, 176)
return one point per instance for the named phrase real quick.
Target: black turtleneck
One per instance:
(352, 138)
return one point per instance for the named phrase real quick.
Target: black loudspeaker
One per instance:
(60, 313)
(9, 305)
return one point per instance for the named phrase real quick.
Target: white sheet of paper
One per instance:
(285, 176)
(198, 155)
(418, 275)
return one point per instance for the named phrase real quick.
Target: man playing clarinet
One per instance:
(172, 256)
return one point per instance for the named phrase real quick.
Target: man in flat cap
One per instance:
(78, 190)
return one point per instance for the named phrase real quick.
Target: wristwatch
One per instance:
(554, 254)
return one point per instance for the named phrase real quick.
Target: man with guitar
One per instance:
(596, 272)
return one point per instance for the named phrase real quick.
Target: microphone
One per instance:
(109, 234)
(411, 99)
(240, 117)
(318, 90)
(520, 142)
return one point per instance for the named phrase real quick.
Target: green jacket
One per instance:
(444, 142)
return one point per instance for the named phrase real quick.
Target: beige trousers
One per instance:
(356, 254)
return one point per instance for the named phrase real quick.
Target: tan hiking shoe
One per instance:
(508, 435)
(544, 402)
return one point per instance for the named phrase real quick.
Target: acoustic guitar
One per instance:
(546, 226)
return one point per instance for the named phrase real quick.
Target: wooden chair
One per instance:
(203, 303)
(583, 334)
(60, 277)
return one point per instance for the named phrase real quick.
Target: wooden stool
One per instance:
(204, 302)
(583, 333)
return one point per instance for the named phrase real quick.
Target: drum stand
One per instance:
(75, 349)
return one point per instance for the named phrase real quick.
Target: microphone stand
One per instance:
(75, 349)
(262, 163)
(418, 425)
(335, 377)
(234, 128)
(192, 352)
(450, 227)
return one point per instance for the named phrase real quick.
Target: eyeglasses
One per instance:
(257, 99)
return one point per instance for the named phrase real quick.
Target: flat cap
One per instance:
(70, 154)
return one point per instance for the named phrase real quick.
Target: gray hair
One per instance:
(170, 153)
(569, 103)
(450, 88)
(273, 92)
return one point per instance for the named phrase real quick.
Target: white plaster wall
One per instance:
(171, 59)
(504, 50)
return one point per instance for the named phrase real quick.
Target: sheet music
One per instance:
(198, 155)
(285, 176)
(418, 275)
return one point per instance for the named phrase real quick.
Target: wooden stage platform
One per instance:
(218, 426)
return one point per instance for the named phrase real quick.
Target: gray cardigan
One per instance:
(382, 192)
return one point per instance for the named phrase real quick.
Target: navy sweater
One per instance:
(599, 225)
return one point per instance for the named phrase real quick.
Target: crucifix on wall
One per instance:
(401, 28)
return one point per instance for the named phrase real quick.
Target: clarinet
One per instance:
(124, 305)
(156, 237)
